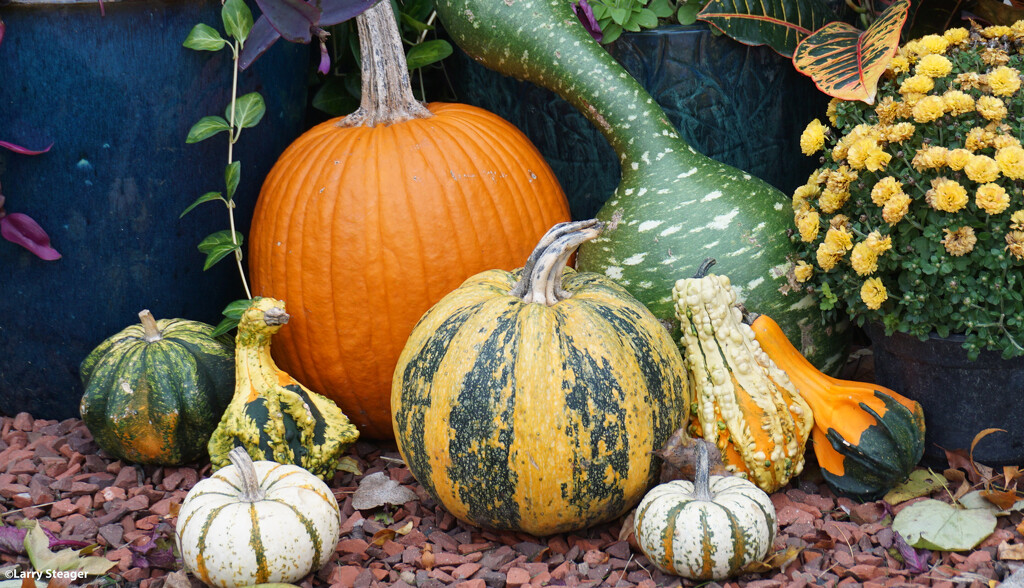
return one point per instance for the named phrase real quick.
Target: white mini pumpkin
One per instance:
(708, 529)
(257, 522)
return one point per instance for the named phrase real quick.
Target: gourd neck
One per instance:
(387, 93)
(254, 364)
(250, 490)
(150, 329)
(702, 477)
(541, 279)
(542, 41)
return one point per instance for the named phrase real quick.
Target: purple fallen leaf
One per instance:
(261, 37)
(12, 541)
(915, 560)
(586, 15)
(151, 554)
(292, 19)
(20, 229)
(24, 150)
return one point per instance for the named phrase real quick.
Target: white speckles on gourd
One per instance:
(613, 272)
(635, 259)
(671, 230)
(687, 173)
(754, 283)
(721, 222)
(778, 206)
(711, 245)
(648, 225)
(712, 196)
(634, 166)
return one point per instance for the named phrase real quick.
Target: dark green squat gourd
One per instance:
(673, 207)
(155, 391)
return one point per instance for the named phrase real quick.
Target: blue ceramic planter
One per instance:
(116, 95)
(744, 106)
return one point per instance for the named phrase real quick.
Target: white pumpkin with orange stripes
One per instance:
(257, 522)
(708, 529)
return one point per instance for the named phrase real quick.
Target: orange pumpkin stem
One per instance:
(387, 94)
(251, 491)
(152, 332)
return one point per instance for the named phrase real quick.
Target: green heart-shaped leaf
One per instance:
(933, 524)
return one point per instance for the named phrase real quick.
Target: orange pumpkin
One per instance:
(366, 221)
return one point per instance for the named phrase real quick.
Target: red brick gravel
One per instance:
(54, 473)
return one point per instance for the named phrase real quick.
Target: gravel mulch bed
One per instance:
(53, 472)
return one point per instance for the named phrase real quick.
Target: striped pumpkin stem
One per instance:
(152, 331)
(387, 94)
(559, 230)
(702, 477)
(544, 279)
(250, 491)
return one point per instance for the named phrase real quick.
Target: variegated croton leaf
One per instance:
(845, 62)
(780, 24)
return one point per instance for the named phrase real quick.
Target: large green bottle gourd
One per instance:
(674, 207)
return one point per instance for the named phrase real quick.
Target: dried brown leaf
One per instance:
(1004, 500)
(981, 435)
(383, 536)
(962, 491)
(1013, 551)
(1010, 474)
(428, 558)
(959, 460)
(954, 475)
(404, 529)
(777, 560)
(679, 455)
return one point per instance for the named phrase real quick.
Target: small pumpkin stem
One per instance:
(387, 94)
(750, 317)
(705, 265)
(545, 285)
(702, 478)
(251, 491)
(152, 332)
(522, 286)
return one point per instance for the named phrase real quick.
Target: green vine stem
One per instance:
(235, 133)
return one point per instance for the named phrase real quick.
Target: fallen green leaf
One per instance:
(975, 499)
(37, 545)
(350, 465)
(935, 525)
(920, 483)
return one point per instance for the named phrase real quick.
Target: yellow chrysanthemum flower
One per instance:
(1017, 220)
(887, 109)
(1005, 141)
(959, 242)
(899, 132)
(997, 31)
(991, 108)
(1011, 161)
(956, 36)
(828, 257)
(808, 223)
(946, 195)
(992, 198)
(932, 157)
(1003, 80)
(994, 57)
(978, 139)
(884, 189)
(933, 44)
(1015, 243)
(803, 195)
(956, 159)
(982, 169)
(970, 80)
(917, 84)
(899, 65)
(832, 111)
(839, 179)
(896, 208)
(813, 137)
(864, 258)
(839, 238)
(877, 159)
(957, 102)
(873, 293)
(1017, 29)
(929, 108)
(831, 201)
(866, 153)
(934, 66)
(803, 271)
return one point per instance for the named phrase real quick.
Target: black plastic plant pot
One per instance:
(960, 397)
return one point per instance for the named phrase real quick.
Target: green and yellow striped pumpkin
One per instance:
(532, 400)
(257, 522)
(708, 529)
(155, 391)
